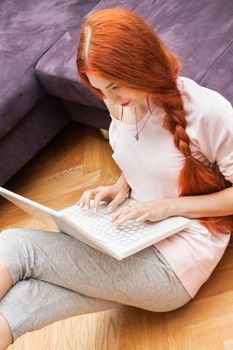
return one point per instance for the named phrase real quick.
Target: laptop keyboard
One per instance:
(101, 224)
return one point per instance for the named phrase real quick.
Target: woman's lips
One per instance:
(125, 104)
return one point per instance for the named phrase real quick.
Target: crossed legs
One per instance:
(53, 276)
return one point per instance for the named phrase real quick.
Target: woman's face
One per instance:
(117, 94)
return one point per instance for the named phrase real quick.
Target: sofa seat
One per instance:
(198, 34)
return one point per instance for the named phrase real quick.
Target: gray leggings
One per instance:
(56, 276)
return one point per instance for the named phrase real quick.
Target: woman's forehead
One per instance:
(99, 82)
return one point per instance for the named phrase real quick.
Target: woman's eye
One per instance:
(115, 87)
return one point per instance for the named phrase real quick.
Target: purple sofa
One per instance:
(40, 90)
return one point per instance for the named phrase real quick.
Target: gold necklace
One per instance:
(136, 136)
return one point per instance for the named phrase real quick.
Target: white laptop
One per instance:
(97, 230)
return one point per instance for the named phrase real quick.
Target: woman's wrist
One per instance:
(122, 185)
(174, 207)
(180, 206)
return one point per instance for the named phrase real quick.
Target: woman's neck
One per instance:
(143, 109)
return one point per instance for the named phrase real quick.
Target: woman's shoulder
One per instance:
(209, 124)
(204, 104)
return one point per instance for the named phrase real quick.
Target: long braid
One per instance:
(195, 178)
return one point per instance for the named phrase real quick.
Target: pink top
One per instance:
(151, 167)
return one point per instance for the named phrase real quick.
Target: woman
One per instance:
(173, 141)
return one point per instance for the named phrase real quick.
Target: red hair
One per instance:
(119, 46)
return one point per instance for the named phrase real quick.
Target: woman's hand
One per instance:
(114, 194)
(143, 211)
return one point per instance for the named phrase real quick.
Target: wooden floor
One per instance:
(77, 159)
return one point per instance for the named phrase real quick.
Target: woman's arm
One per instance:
(121, 182)
(208, 205)
(214, 204)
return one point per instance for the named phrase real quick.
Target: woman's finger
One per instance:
(91, 195)
(87, 196)
(130, 214)
(143, 217)
(119, 198)
(99, 197)
(126, 217)
(119, 212)
(81, 200)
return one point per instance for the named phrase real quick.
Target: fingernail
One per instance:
(109, 209)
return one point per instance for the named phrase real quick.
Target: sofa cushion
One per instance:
(57, 72)
(198, 32)
(27, 29)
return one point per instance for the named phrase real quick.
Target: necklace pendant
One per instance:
(136, 137)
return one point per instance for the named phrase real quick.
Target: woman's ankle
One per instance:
(6, 338)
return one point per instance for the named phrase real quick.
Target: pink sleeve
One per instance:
(215, 138)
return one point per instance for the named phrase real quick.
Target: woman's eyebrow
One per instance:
(109, 85)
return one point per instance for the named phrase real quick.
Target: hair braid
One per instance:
(175, 122)
(195, 178)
